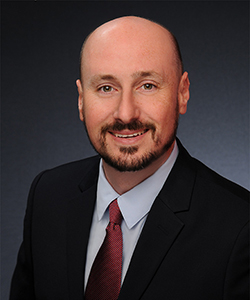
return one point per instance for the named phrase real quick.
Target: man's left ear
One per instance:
(183, 93)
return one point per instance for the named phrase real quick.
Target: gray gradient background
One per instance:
(40, 126)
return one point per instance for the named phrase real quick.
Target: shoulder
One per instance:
(221, 198)
(215, 183)
(213, 191)
(67, 177)
(210, 178)
(76, 166)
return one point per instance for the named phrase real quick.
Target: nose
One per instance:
(127, 109)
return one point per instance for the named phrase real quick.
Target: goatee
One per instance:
(127, 163)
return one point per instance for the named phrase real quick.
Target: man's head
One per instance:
(176, 48)
(131, 92)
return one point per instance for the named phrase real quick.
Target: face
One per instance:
(131, 96)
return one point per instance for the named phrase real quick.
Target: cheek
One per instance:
(161, 115)
(92, 124)
(165, 120)
(95, 114)
(161, 106)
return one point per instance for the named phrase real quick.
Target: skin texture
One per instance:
(130, 98)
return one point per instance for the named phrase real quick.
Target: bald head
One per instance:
(131, 93)
(130, 31)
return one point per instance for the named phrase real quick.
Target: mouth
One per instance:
(128, 136)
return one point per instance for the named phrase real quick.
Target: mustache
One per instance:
(133, 125)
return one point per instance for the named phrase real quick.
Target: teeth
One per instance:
(129, 135)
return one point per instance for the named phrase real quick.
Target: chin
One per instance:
(130, 161)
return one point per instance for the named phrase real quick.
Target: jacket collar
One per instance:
(90, 173)
(177, 190)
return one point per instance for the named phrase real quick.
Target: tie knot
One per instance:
(115, 215)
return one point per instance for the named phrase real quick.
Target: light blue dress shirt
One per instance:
(134, 206)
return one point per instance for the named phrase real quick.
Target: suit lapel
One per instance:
(80, 212)
(161, 229)
(159, 233)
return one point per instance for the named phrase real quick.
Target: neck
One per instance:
(125, 181)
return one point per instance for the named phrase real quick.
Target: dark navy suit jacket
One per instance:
(194, 244)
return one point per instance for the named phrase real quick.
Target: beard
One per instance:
(128, 162)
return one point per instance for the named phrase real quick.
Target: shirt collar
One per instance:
(135, 203)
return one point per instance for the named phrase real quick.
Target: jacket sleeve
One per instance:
(22, 284)
(237, 276)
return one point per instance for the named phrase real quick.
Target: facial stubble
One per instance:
(127, 163)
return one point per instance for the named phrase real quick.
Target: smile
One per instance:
(127, 136)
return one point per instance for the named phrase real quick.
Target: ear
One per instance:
(183, 93)
(80, 99)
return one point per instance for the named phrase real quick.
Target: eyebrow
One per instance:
(97, 78)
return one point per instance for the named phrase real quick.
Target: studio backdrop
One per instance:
(41, 41)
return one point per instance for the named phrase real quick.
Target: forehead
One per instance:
(128, 48)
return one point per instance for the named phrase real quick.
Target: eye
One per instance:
(148, 86)
(106, 89)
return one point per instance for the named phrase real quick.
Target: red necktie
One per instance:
(104, 281)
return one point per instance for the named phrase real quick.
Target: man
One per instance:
(182, 229)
